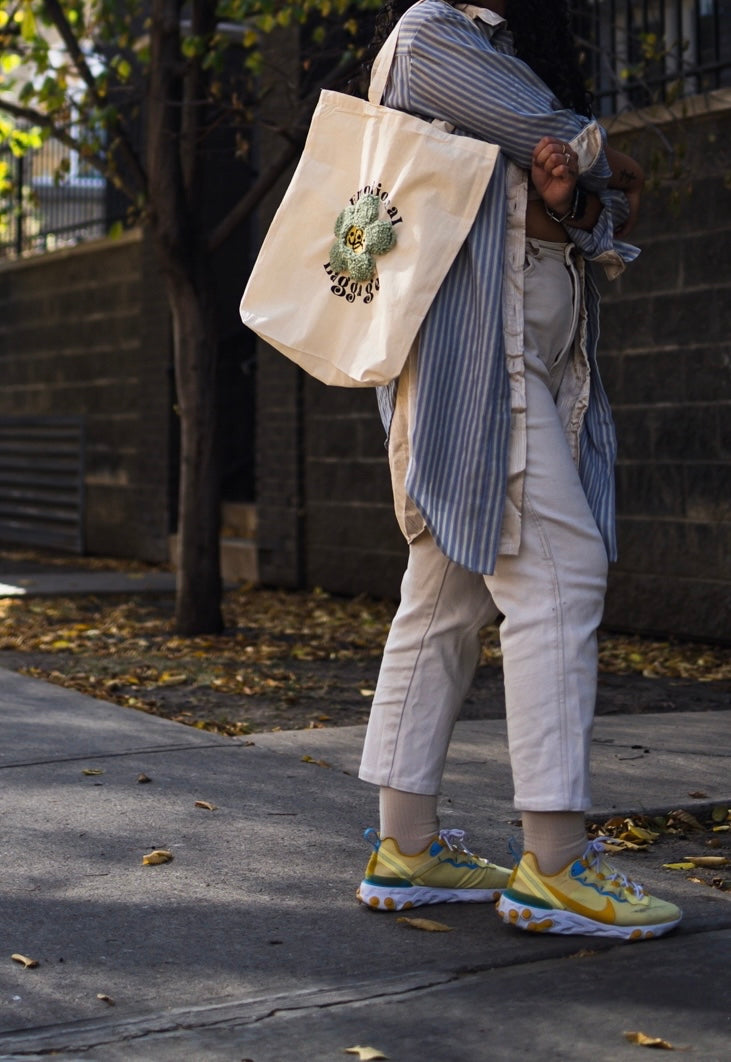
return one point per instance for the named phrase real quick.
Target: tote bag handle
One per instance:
(382, 68)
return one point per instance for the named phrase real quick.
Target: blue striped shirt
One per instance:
(463, 71)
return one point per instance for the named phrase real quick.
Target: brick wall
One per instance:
(665, 357)
(666, 361)
(84, 332)
(353, 542)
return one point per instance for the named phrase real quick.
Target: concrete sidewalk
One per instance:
(62, 583)
(250, 944)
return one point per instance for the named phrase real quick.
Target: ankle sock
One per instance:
(554, 837)
(409, 818)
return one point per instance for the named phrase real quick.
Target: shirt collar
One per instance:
(484, 14)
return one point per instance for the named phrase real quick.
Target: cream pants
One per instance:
(551, 595)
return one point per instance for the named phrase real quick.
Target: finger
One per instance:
(564, 162)
(545, 149)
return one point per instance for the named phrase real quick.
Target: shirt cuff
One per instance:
(589, 146)
(599, 245)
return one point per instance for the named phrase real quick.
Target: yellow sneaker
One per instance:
(445, 872)
(588, 897)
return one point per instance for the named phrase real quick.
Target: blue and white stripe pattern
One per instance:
(463, 71)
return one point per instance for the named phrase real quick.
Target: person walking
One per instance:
(501, 449)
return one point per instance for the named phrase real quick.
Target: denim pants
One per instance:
(551, 595)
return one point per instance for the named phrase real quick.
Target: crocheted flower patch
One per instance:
(361, 237)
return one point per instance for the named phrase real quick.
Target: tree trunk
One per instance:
(198, 599)
(175, 114)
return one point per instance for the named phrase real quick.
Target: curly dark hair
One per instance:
(543, 37)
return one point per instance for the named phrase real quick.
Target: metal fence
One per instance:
(637, 52)
(640, 52)
(55, 201)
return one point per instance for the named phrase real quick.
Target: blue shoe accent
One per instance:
(371, 835)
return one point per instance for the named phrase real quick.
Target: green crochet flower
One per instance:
(360, 237)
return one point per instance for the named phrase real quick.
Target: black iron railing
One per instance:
(52, 201)
(640, 52)
(637, 52)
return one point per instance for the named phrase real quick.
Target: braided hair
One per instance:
(543, 38)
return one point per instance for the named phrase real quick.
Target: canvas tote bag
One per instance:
(376, 211)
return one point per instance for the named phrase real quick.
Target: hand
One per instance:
(554, 170)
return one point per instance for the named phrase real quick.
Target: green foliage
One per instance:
(61, 64)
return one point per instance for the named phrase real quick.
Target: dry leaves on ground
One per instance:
(637, 833)
(427, 925)
(286, 660)
(28, 964)
(648, 1041)
(160, 855)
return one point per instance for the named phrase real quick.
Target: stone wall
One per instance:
(666, 361)
(85, 332)
(323, 486)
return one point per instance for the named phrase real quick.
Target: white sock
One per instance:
(409, 818)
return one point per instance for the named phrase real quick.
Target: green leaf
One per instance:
(28, 25)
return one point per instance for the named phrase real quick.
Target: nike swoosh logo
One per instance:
(599, 914)
(605, 914)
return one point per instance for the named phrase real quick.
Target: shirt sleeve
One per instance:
(599, 244)
(455, 74)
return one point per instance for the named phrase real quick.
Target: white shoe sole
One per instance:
(383, 898)
(546, 920)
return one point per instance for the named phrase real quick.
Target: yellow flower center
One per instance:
(355, 239)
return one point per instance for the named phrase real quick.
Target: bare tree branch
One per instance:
(254, 196)
(295, 137)
(58, 18)
(56, 14)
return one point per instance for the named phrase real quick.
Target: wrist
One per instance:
(574, 210)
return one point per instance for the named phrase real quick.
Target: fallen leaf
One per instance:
(707, 861)
(679, 866)
(685, 819)
(366, 693)
(365, 1054)
(696, 794)
(160, 855)
(648, 1041)
(206, 805)
(639, 833)
(317, 763)
(92, 770)
(143, 779)
(172, 678)
(720, 813)
(426, 924)
(29, 964)
(105, 998)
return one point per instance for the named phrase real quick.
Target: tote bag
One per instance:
(375, 213)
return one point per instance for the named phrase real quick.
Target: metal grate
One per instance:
(42, 481)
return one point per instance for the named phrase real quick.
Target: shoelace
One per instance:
(454, 840)
(593, 858)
